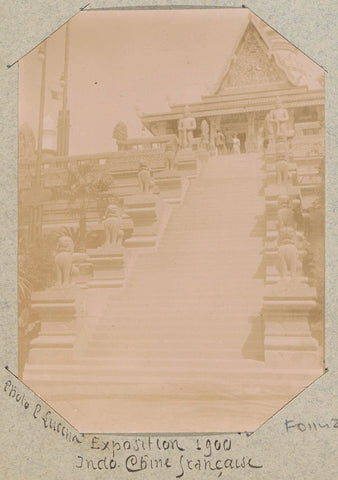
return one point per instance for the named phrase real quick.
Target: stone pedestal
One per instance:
(270, 149)
(203, 155)
(186, 162)
(82, 269)
(96, 235)
(142, 209)
(108, 267)
(85, 272)
(272, 192)
(271, 256)
(288, 343)
(271, 173)
(56, 310)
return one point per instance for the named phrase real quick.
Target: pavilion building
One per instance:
(262, 67)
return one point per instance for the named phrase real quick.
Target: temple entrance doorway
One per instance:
(242, 138)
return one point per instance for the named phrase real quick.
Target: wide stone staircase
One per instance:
(169, 351)
(192, 299)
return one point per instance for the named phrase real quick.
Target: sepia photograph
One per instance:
(171, 221)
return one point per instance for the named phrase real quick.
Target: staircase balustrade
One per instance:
(290, 300)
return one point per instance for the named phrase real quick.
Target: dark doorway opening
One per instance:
(242, 138)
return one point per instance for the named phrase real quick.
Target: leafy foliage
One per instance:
(85, 183)
(25, 288)
(36, 266)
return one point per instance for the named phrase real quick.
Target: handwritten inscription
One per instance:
(182, 465)
(143, 455)
(136, 445)
(46, 418)
(294, 426)
(18, 397)
(133, 455)
(150, 453)
(216, 464)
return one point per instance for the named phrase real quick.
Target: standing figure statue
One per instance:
(236, 145)
(260, 140)
(282, 157)
(186, 127)
(280, 118)
(64, 261)
(268, 130)
(204, 135)
(146, 182)
(220, 142)
(170, 153)
(112, 226)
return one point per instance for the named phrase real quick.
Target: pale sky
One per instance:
(120, 59)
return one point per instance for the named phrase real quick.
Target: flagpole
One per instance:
(65, 72)
(63, 141)
(42, 56)
(36, 205)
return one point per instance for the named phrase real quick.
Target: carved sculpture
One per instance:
(282, 156)
(292, 247)
(170, 154)
(251, 64)
(64, 261)
(268, 130)
(288, 253)
(280, 118)
(268, 125)
(286, 216)
(236, 145)
(220, 142)
(145, 179)
(186, 127)
(204, 135)
(260, 140)
(112, 226)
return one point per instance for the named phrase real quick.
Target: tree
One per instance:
(26, 327)
(85, 183)
(34, 272)
(120, 133)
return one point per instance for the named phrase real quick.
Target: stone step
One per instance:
(173, 334)
(140, 362)
(104, 351)
(256, 382)
(135, 369)
(173, 344)
(176, 329)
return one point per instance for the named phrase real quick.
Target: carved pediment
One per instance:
(251, 64)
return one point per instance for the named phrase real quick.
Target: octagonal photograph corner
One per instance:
(171, 221)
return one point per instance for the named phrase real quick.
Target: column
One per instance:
(214, 123)
(291, 113)
(250, 144)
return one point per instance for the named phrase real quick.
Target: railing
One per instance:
(290, 298)
(54, 169)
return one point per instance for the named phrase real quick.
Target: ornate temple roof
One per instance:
(260, 57)
(262, 66)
